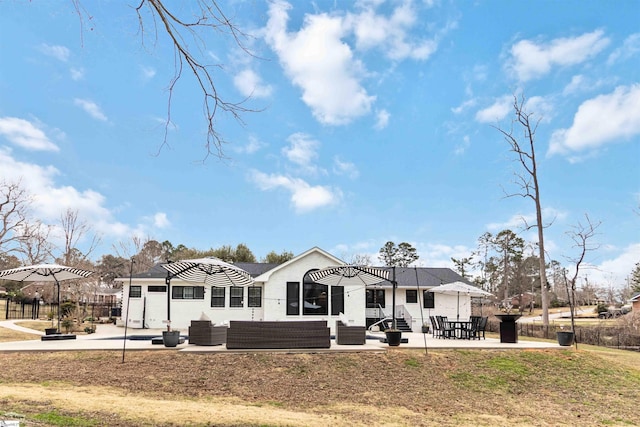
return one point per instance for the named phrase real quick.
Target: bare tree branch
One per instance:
(209, 17)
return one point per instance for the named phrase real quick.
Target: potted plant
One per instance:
(565, 338)
(394, 337)
(425, 328)
(170, 338)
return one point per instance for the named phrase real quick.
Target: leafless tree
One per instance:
(146, 251)
(14, 206)
(357, 259)
(521, 137)
(581, 235)
(35, 244)
(75, 230)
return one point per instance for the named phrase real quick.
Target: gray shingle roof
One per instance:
(253, 268)
(405, 276)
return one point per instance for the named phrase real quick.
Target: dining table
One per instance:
(459, 327)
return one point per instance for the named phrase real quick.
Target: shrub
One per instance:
(67, 324)
(601, 307)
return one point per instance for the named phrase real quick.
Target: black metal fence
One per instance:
(37, 309)
(606, 336)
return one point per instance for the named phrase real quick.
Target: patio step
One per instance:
(401, 324)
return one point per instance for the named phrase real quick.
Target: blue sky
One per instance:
(375, 124)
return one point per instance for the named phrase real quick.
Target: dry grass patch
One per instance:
(8, 335)
(397, 388)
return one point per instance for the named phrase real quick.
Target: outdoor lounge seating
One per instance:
(203, 332)
(350, 335)
(278, 335)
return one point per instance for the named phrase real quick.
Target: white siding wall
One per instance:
(274, 294)
(445, 305)
(275, 298)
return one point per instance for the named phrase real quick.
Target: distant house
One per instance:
(635, 302)
(285, 292)
(523, 300)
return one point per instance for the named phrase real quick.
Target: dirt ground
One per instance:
(400, 387)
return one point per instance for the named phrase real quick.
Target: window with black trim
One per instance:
(187, 292)
(236, 296)
(375, 298)
(412, 296)
(429, 300)
(254, 296)
(135, 292)
(154, 288)
(337, 300)
(315, 297)
(293, 298)
(217, 297)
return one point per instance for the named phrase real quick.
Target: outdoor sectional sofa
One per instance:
(278, 335)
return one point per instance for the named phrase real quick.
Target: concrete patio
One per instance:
(111, 337)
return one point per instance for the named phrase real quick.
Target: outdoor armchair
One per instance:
(203, 332)
(350, 335)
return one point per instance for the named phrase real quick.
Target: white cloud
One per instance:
(462, 147)
(578, 83)
(77, 73)
(249, 83)
(496, 111)
(51, 200)
(614, 271)
(160, 220)
(464, 106)
(61, 53)
(320, 64)
(521, 221)
(629, 48)
(345, 168)
(539, 107)
(25, 134)
(253, 145)
(530, 60)
(301, 150)
(304, 197)
(599, 121)
(390, 33)
(382, 119)
(91, 108)
(148, 73)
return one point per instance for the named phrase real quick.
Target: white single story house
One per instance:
(284, 292)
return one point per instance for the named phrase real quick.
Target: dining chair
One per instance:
(481, 328)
